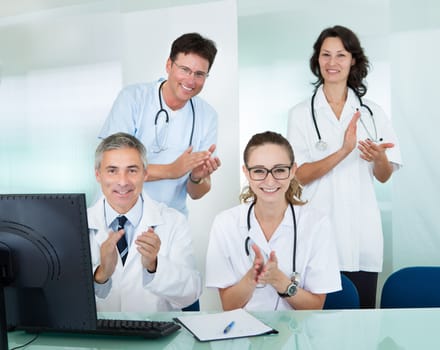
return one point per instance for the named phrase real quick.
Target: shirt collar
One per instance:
(321, 104)
(134, 215)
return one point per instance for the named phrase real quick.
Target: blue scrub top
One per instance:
(134, 111)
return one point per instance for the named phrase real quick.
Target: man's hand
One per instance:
(148, 245)
(187, 161)
(109, 257)
(205, 169)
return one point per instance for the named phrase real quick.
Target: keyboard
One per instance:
(111, 327)
(146, 329)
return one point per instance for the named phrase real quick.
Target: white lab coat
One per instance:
(316, 258)
(176, 282)
(346, 192)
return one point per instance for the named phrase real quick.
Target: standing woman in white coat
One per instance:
(343, 143)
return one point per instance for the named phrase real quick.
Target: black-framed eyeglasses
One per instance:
(279, 172)
(200, 75)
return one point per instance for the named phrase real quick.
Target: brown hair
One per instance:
(352, 44)
(194, 43)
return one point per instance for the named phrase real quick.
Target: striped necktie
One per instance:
(122, 243)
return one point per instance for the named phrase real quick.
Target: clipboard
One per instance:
(208, 327)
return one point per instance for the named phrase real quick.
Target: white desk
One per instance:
(390, 329)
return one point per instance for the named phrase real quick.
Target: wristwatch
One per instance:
(197, 182)
(291, 290)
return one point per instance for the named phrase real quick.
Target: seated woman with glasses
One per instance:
(271, 252)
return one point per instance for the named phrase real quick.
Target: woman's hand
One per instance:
(271, 274)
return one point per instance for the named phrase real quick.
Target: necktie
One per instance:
(122, 243)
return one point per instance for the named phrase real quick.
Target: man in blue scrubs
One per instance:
(177, 127)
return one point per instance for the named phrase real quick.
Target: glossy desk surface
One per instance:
(390, 329)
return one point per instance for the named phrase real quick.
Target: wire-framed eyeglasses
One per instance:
(200, 75)
(279, 172)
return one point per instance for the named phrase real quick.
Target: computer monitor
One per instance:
(45, 263)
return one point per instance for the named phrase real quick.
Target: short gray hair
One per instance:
(120, 140)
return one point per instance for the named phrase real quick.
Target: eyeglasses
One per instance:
(199, 75)
(280, 172)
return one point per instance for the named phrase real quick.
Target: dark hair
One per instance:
(293, 194)
(120, 140)
(351, 43)
(194, 43)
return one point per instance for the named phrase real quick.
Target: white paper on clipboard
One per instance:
(207, 327)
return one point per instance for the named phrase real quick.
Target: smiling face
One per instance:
(269, 156)
(182, 86)
(334, 61)
(121, 175)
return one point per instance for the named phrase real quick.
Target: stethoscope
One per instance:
(322, 145)
(161, 146)
(249, 242)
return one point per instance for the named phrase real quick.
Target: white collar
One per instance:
(134, 215)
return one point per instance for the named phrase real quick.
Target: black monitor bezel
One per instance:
(55, 226)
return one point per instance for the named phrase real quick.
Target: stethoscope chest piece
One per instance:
(321, 145)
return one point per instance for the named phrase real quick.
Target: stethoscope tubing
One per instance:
(294, 234)
(167, 117)
(315, 123)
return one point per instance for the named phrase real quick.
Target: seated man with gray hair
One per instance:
(142, 251)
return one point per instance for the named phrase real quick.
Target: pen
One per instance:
(228, 327)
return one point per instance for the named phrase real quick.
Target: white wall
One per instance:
(415, 76)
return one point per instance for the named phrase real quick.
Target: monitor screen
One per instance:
(47, 239)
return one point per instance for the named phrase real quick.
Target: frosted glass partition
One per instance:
(57, 84)
(415, 77)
